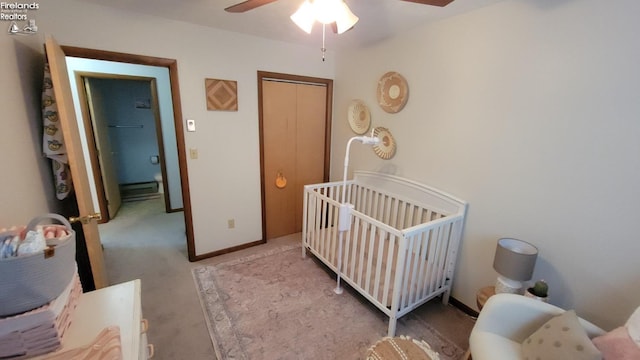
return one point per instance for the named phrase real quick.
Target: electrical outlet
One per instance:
(193, 153)
(231, 223)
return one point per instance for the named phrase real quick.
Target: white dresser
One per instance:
(114, 305)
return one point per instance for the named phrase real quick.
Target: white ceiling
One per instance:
(379, 19)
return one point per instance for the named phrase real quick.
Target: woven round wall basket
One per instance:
(393, 92)
(386, 148)
(359, 117)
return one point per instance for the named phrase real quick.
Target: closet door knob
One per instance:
(281, 181)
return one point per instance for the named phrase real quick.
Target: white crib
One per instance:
(400, 251)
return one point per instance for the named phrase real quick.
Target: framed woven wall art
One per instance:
(221, 94)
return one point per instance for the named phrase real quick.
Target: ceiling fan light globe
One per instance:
(304, 17)
(345, 18)
(326, 11)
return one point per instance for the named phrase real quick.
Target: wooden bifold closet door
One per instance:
(294, 122)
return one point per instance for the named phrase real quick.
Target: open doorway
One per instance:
(179, 186)
(126, 140)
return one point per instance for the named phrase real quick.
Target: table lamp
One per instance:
(514, 261)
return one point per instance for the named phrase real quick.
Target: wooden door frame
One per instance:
(172, 66)
(264, 75)
(87, 117)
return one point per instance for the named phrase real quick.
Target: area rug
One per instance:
(277, 305)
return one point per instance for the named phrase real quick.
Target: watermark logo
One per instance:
(17, 13)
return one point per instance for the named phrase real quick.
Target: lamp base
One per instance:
(505, 285)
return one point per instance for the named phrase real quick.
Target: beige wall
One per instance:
(26, 184)
(529, 111)
(225, 179)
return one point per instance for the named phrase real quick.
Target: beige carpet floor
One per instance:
(143, 242)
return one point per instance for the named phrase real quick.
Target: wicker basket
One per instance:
(30, 281)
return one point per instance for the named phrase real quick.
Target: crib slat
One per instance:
(331, 249)
(369, 260)
(328, 238)
(393, 213)
(381, 246)
(378, 199)
(430, 260)
(441, 245)
(407, 270)
(320, 216)
(334, 225)
(363, 247)
(345, 249)
(381, 199)
(443, 254)
(369, 201)
(323, 234)
(417, 213)
(391, 246)
(402, 217)
(336, 194)
(397, 284)
(375, 210)
(451, 254)
(428, 216)
(423, 215)
(416, 262)
(389, 211)
(367, 279)
(354, 235)
(317, 220)
(305, 220)
(435, 269)
(423, 263)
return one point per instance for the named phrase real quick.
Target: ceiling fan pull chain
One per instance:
(324, 49)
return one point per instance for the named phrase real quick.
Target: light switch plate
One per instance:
(191, 125)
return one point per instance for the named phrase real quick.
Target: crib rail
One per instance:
(397, 254)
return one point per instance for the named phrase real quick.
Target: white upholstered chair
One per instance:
(506, 320)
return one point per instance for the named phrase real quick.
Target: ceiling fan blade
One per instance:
(431, 2)
(247, 5)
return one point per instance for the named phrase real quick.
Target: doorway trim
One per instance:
(172, 66)
(266, 75)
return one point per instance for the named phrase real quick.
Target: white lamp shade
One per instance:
(304, 17)
(515, 259)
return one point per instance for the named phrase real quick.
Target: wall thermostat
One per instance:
(191, 125)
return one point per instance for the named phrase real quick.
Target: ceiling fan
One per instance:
(252, 4)
(335, 13)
